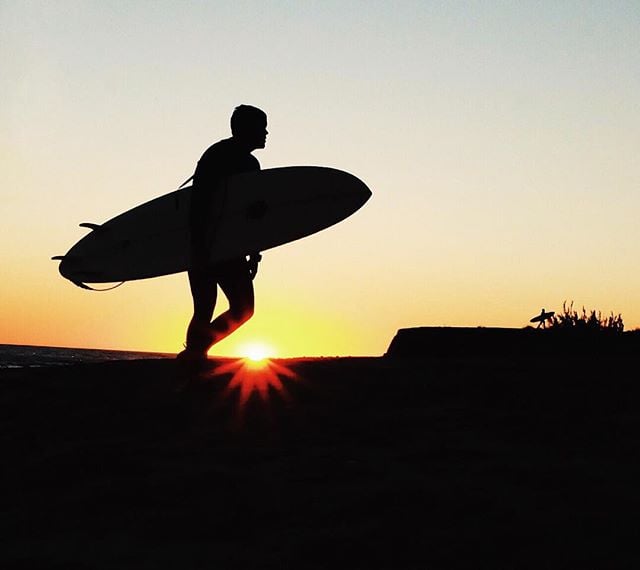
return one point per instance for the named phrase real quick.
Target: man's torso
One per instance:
(224, 158)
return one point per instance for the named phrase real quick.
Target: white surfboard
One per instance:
(250, 212)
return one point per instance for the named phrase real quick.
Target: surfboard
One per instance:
(250, 212)
(543, 316)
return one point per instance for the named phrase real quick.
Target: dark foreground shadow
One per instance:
(460, 462)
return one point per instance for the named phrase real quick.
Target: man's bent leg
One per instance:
(237, 285)
(204, 290)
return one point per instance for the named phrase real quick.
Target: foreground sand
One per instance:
(356, 463)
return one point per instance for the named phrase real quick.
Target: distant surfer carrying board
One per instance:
(235, 276)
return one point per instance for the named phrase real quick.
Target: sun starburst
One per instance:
(250, 376)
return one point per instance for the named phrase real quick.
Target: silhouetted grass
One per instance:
(593, 321)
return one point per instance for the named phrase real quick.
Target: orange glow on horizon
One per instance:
(255, 351)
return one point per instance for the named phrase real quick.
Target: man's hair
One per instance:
(246, 116)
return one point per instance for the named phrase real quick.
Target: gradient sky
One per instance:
(500, 140)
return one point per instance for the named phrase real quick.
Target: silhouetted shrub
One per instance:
(593, 321)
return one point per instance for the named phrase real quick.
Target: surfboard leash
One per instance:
(187, 181)
(84, 285)
(89, 288)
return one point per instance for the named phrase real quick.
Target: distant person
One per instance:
(235, 276)
(542, 318)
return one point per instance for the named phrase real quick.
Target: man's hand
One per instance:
(254, 259)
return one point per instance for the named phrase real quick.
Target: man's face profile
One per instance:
(249, 126)
(254, 134)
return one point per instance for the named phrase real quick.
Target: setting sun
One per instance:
(255, 351)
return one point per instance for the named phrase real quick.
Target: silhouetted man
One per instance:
(235, 276)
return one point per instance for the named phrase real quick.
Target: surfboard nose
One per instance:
(366, 193)
(355, 187)
(362, 191)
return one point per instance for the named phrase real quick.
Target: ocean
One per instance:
(18, 356)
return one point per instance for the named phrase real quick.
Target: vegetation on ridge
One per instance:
(593, 321)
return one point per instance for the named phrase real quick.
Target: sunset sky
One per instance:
(500, 140)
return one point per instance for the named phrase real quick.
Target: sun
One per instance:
(255, 351)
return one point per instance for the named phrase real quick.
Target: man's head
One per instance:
(249, 126)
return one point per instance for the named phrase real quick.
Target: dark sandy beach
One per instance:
(450, 462)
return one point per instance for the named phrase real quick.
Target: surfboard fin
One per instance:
(90, 226)
(58, 257)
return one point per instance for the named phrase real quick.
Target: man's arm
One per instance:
(206, 183)
(200, 206)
